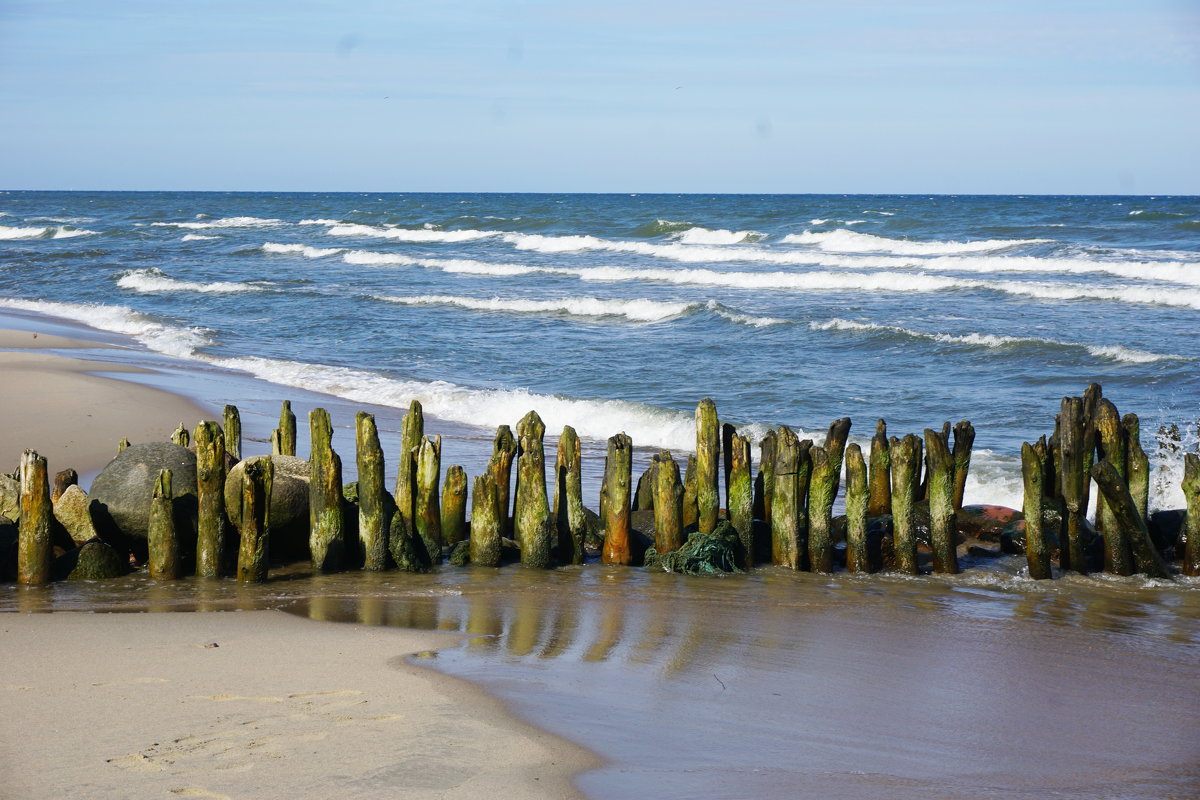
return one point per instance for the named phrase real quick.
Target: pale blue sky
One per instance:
(1020, 96)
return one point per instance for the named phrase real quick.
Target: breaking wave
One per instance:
(640, 310)
(300, 249)
(847, 241)
(46, 232)
(227, 222)
(154, 280)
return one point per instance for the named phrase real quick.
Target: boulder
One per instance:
(289, 505)
(90, 562)
(1166, 531)
(123, 490)
(985, 523)
(73, 510)
(10, 497)
(1012, 539)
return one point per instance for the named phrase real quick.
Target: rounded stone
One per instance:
(289, 504)
(123, 489)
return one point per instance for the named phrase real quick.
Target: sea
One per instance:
(616, 313)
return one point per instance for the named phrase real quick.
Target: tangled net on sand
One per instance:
(703, 554)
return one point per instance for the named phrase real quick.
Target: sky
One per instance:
(858, 96)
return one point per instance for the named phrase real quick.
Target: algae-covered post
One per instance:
(1191, 525)
(1091, 398)
(820, 510)
(486, 512)
(233, 432)
(534, 527)
(614, 501)
(941, 502)
(210, 496)
(276, 447)
(372, 513)
(643, 495)
(1126, 517)
(412, 429)
(668, 504)
(1137, 464)
(857, 500)
(740, 505)
(835, 448)
(255, 529)
(161, 538)
(121, 445)
(880, 478)
(1111, 447)
(1033, 473)
(1072, 449)
(787, 506)
(324, 495)
(764, 484)
(504, 450)
(568, 498)
(691, 513)
(454, 506)
(708, 452)
(63, 480)
(727, 433)
(34, 553)
(287, 429)
(964, 441)
(906, 464)
(427, 511)
(180, 436)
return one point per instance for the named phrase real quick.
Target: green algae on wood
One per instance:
(161, 537)
(287, 429)
(764, 484)
(906, 463)
(232, 427)
(486, 512)
(643, 494)
(1073, 446)
(121, 445)
(372, 508)
(181, 437)
(35, 556)
(255, 529)
(454, 506)
(1137, 464)
(1091, 398)
(614, 501)
(1191, 524)
(941, 502)
(691, 513)
(412, 430)
(326, 523)
(879, 502)
(789, 523)
(569, 516)
(964, 441)
(1033, 474)
(668, 503)
(1125, 516)
(822, 487)
(708, 454)
(210, 497)
(533, 526)
(857, 502)
(504, 451)
(1111, 446)
(427, 512)
(740, 505)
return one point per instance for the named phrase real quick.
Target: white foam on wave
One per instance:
(637, 310)
(155, 281)
(300, 249)
(322, 222)
(197, 237)
(743, 319)
(1115, 353)
(227, 222)
(699, 235)
(419, 235)
(173, 340)
(44, 232)
(452, 265)
(847, 241)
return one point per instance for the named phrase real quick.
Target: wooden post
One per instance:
(181, 437)
(568, 498)
(964, 441)
(835, 449)
(372, 511)
(1033, 471)
(727, 433)
(643, 494)
(880, 501)
(428, 512)
(454, 506)
(764, 485)
(821, 491)
(1126, 517)
(708, 453)
(740, 505)
(534, 527)
(1072, 447)
(485, 522)
(906, 464)
(614, 500)
(1111, 447)
(412, 430)
(325, 536)
(1137, 464)
(121, 445)
(233, 433)
(504, 450)
(668, 504)
(34, 553)
(691, 513)
(161, 539)
(1090, 399)
(857, 500)
(276, 444)
(789, 522)
(1191, 525)
(210, 497)
(255, 530)
(63, 480)
(941, 502)
(287, 429)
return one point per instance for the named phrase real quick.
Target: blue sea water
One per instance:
(619, 312)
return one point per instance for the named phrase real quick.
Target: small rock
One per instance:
(92, 561)
(73, 510)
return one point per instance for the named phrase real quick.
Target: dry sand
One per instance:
(142, 705)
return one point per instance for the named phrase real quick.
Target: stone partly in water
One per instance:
(90, 562)
(73, 510)
(983, 522)
(10, 497)
(289, 505)
(123, 490)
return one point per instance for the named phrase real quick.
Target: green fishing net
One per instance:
(703, 554)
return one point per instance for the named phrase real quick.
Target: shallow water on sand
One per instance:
(779, 684)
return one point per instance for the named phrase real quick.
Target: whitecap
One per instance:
(228, 222)
(420, 235)
(154, 281)
(846, 241)
(8, 232)
(700, 235)
(635, 310)
(300, 249)
(197, 237)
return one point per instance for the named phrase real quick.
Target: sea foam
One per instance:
(300, 249)
(637, 310)
(847, 241)
(45, 232)
(172, 340)
(227, 222)
(196, 237)
(423, 235)
(700, 235)
(153, 280)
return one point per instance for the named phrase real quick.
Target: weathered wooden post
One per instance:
(276, 445)
(822, 488)
(1091, 398)
(34, 553)
(691, 512)
(534, 527)
(1137, 464)
(454, 506)
(233, 432)
(668, 504)
(504, 450)
(1073, 452)
(905, 457)
(857, 500)
(1191, 525)
(412, 430)
(941, 502)
(708, 454)
(372, 511)
(568, 498)
(210, 497)
(614, 501)
(287, 429)
(727, 433)
(486, 512)
(121, 445)
(764, 484)
(740, 505)
(964, 441)
(880, 480)
(1111, 447)
(789, 522)
(428, 512)
(63, 480)
(643, 494)
(835, 448)
(1033, 472)
(255, 529)
(1126, 516)
(324, 495)
(181, 437)
(161, 538)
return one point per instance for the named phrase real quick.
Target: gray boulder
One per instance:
(91, 562)
(74, 512)
(289, 504)
(10, 497)
(123, 489)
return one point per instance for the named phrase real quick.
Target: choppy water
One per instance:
(614, 312)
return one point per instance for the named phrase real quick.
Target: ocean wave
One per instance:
(1115, 353)
(154, 281)
(699, 235)
(300, 249)
(172, 340)
(420, 235)
(196, 237)
(1145, 215)
(660, 227)
(227, 222)
(637, 310)
(323, 222)
(846, 241)
(46, 232)
(741, 318)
